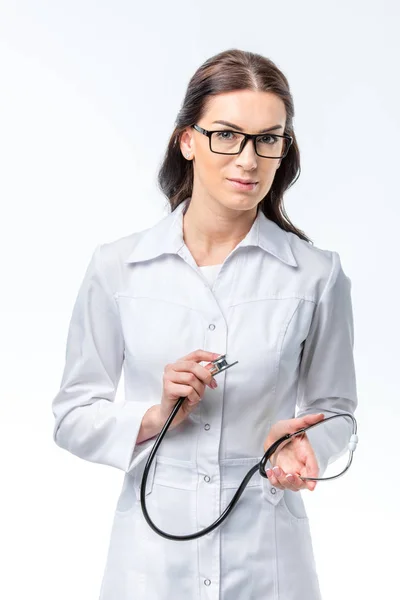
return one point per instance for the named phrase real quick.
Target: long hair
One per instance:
(227, 71)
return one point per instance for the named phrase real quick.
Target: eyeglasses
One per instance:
(266, 145)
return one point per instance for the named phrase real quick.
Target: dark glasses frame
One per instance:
(247, 136)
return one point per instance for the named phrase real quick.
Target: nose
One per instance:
(248, 157)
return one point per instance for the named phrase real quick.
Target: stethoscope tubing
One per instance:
(260, 467)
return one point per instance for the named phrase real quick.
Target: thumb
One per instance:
(297, 423)
(306, 420)
(284, 427)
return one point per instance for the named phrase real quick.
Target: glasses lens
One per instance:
(228, 142)
(320, 452)
(271, 146)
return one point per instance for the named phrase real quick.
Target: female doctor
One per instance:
(225, 272)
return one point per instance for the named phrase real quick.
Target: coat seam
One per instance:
(276, 297)
(276, 557)
(283, 336)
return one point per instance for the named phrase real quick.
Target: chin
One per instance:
(238, 201)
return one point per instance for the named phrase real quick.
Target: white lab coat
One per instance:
(282, 308)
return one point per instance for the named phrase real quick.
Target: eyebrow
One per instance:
(240, 129)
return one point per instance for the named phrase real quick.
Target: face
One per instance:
(249, 111)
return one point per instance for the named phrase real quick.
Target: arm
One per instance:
(151, 424)
(88, 423)
(327, 381)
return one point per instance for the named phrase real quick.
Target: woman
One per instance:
(226, 272)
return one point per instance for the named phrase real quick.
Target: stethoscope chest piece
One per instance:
(220, 364)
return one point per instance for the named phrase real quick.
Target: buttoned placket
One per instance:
(209, 484)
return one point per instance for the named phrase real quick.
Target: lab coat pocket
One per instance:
(293, 504)
(272, 494)
(295, 555)
(233, 471)
(138, 477)
(169, 568)
(130, 493)
(174, 473)
(171, 497)
(249, 531)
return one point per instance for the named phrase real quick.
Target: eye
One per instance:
(221, 135)
(264, 139)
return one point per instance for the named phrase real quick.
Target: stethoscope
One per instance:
(220, 365)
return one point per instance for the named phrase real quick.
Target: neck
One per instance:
(212, 231)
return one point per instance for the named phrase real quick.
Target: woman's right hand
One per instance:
(186, 377)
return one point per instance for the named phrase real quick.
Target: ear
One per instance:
(186, 142)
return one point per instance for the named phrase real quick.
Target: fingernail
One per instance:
(277, 471)
(214, 384)
(290, 477)
(268, 472)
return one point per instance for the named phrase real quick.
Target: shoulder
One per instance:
(322, 265)
(112, 256)
(119, 250)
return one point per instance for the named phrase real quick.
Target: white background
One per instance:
(88, 96)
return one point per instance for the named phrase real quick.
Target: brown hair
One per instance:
(228, 71)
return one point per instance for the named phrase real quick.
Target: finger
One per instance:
(311, 472)
(312, 464)
(200, 355)
(311, 485)
(190, 381)
(193, 399)
(209, 379)
(295, 481)
(312, 469)
(273, 479)
(282, 479)
(305, 421)
(201, 373)
(187, 391)
(286, 426)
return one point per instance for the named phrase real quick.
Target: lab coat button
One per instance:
(273, 490)
(211, 326)
(207, 582)
(206, 478)
(207, 426)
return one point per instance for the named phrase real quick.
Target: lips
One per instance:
(245, 187)
(243, 180)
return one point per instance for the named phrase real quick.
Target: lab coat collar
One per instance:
(166, 237)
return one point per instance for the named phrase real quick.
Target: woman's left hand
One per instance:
(295, 458)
